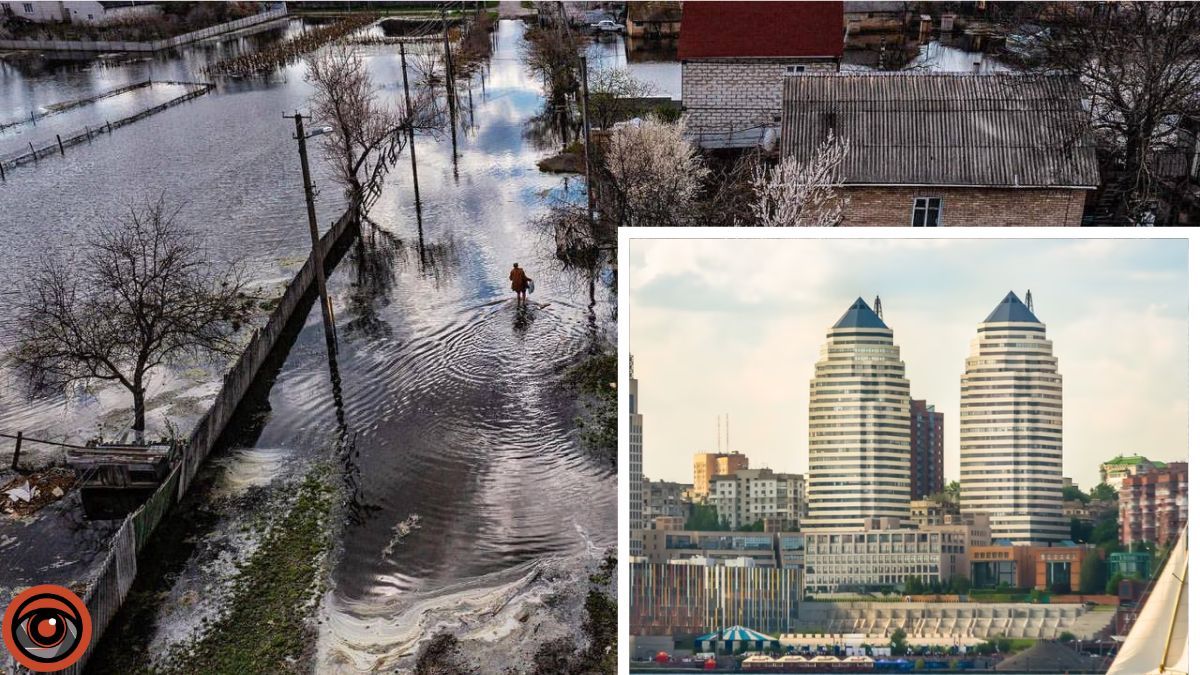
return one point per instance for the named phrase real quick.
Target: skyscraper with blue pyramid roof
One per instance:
(1011, 427)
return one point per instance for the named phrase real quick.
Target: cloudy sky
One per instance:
(735, 326)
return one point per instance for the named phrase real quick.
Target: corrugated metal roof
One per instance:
(1005, 130)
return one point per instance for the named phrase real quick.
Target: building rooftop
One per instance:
(965, 129)
(1011, 310)
(860, 316)
(1122, 460)
(760, 30)
(654, 10)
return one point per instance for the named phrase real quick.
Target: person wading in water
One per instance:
(520, 282)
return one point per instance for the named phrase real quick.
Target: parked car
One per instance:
(608, 26)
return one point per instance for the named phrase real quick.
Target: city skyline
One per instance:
(722, 326)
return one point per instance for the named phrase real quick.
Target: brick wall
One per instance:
(734, 94)
(995, 207)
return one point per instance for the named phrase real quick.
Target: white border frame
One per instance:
(626, 234)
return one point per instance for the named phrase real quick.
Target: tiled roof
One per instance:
(760, 29)
(1002, 130)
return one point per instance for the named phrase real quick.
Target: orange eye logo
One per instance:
(47, 628)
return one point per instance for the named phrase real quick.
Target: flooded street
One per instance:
(474, 507)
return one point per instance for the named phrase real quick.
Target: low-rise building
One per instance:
(1130, 564)
(664, 498)
(666, 546)
(1116, 470)
(695, 599)
(880, 556)
(931, 511)
(875, 16)
(79, 11)
(735, 57)
(653, 20)
(1073, 508)
(751, 495)
(1056, 568)
(1153, 505)
(941, 149)
(663, 523)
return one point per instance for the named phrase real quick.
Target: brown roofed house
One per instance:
(943, 149)
(735, 57)
(654, 19)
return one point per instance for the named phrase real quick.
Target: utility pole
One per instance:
(317, 258)
(450, 103)
(412, 146)
(17, 450)
(587, 141)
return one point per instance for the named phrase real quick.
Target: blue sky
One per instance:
(735, 326)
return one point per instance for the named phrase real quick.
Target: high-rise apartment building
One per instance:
(636, 479)
(1011, 427)
(927, 468)
(708, 465)
(858, 425)
(751, 495)
(1153, 505)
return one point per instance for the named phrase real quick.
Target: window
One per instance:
(28, 8)
(794, 70)
(927, 212)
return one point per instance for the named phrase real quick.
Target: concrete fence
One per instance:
(109, 587)
(58, 145)
(151, 46)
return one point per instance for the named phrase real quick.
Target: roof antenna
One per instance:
(1029, 299)
(726, 432)
(878, 307)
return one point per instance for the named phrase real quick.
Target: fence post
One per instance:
(88, 129)
(34, 152)
(60, 148)
(2, 176)
(17, 450)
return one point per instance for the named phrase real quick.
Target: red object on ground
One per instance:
(710, 664)
(760, 29)
(662, 657)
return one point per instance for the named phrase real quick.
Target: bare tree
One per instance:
(144, 294)
(800, 193)
(612, 94)
(651, 175)
(1139, 63)
(366, 134)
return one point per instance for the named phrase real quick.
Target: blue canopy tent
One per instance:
(731, 639)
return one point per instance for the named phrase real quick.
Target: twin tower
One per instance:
(859, 441)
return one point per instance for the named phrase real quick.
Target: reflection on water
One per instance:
(471, 505)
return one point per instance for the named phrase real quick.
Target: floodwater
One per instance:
(474, 506)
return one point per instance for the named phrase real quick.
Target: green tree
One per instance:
(704, 518)
(1094, 574)
(935, 587)
(914, 586)
(1081, 531)
(1066, 636)
(1111, 587)
(952, 490)
(1003, 645)
(1072, 492)
(1104, 534)
(1104, 493)
(756, 526)
(899, 641)
(960, 584)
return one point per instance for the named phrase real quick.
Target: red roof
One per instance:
(760, 29)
